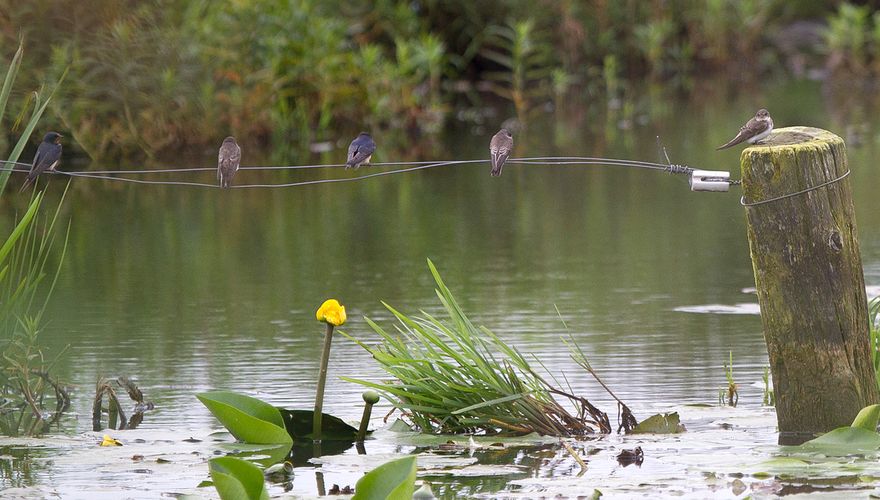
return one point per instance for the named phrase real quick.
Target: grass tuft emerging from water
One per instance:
(455, 377)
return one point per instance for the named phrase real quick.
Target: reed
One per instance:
(27, 386)
(874, 324)
(452, 376)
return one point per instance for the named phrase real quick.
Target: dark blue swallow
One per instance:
(360, 151)
(48, 156)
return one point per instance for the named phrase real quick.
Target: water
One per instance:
(186, 290)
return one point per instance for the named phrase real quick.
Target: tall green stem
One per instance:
(322, 378)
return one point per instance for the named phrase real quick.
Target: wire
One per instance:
(258, 167)
(113, 175)
(548, 160)
(747, 204)
(245, 186)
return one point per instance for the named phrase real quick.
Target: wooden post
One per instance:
(805, 255)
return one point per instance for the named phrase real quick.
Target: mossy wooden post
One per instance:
(805, 255)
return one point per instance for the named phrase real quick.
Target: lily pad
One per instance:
(861, 436)
(237, 479)
(394, 480)
(247, 418)
(844, 441)
(299, 426)
(661, 423)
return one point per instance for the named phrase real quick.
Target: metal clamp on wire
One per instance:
(709, 180)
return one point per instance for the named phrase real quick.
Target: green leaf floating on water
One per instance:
(247, 418)
(394, 480)
(861, 436)
(237, 479)
(661, 423)
(299, 425)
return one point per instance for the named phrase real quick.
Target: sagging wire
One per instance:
(114, 175)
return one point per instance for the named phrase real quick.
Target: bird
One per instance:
(228, 161)
(754, 131)
(360, 151)
(48, 156)
(500, 147)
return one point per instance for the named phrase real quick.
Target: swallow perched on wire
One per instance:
(754, 131)
(360, 151)
(500, 148)
(228, 161)
(48, 156)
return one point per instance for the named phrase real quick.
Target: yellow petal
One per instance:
(109, 441)
(331, 311)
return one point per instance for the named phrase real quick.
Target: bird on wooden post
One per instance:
(754, 131)
(360, 151)
(47, 158)
(228, 161)
(500, 148)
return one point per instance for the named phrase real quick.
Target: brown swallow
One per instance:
(754, 131)
(228, 161)
(500, 148)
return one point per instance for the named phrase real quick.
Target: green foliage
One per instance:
(394, 480)
(26, 383)
(40, 105)
(254, 421)
(848, 32)
(867, 418)
(237, 479)
(769, 398)
(247, 418)
(455, 377)
(526, 64)
(27, 386)
(154, 76)
(874, 331)
(730, 394)
(860, 436)
(661, 423)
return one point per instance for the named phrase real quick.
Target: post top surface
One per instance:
(795, 136)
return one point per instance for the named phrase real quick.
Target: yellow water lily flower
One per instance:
(109, 441)
(332, 312)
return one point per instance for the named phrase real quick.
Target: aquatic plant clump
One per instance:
(452, 376)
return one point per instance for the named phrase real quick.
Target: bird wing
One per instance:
(37, 162)
(754, 127)
(52, 157)
(499, 156)
(360, 151)
(229, 158)
(352, 151)
(47, 156)
(500, 147)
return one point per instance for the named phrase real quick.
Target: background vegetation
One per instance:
(156, 76)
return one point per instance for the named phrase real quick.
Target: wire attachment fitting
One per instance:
(710, 180)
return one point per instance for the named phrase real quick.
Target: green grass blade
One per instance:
(10, 78)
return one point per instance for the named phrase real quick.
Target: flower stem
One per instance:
(322, 378)
(365, 420)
